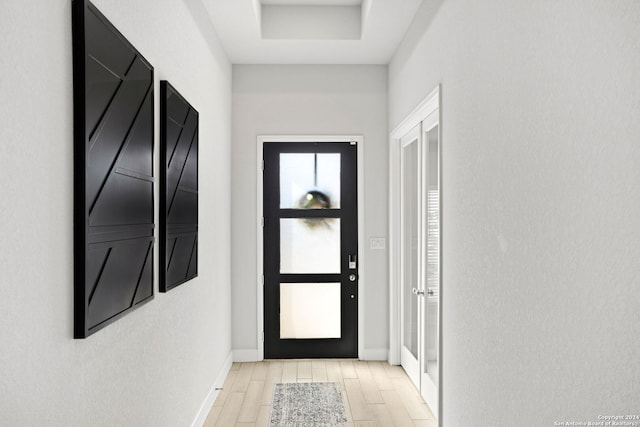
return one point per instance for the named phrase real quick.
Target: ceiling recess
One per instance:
(312, 2)
(347, 32)
(281, 22)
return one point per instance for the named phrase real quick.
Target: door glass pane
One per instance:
(309, 245)
(433, 255)
(309, 180)
(410, 241)
(310, 310)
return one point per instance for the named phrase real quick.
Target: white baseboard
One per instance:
(251, 355)
(245, 355)
(201, 417)
(375, 354)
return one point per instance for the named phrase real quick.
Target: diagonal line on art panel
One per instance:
(175, 146)
(97, 282)
(144, 264)
(121, 149)
(173, 248)
(184, 164)
(95, 133)
(193, 249)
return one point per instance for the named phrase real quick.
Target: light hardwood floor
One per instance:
(374, 393)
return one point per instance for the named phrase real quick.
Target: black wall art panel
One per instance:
(178, 189)
(113, 194)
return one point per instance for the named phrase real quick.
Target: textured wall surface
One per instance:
(541, 237)
(308, 100)
(155, 366)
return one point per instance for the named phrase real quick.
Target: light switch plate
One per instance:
(377, 243)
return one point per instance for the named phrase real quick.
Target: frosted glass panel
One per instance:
(410, 242)
(309, 245)
(309, 180)
(309, 310)
(433, 255)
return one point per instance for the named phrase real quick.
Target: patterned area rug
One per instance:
(308, 405)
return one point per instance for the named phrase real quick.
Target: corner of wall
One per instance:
(375, 354)
(209, 400)
(248, 355)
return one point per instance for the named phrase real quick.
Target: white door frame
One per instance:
(359, 141)
(429, 105)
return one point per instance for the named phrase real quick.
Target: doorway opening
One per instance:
(309, 230)
(416, 249)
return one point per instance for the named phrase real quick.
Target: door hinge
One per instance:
(262, 336)
(263, 165)
(262, 280)
(262, 222)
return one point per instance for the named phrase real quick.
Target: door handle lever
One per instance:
(417, 291)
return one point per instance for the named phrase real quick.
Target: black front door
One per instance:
(310, 250)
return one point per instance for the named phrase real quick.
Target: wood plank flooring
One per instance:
(374, 393)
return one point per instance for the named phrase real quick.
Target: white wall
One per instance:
(541, 155)
(156, 365)
(308, 100)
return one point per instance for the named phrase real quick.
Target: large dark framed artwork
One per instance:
(113, 173)
(178, 189)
